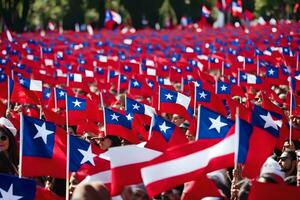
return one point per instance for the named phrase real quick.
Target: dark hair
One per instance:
(115, 141)
(12, 160)
(291, 180)
(292, 154)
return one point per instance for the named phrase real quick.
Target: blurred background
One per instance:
(32, 15)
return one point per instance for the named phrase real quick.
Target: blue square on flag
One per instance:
(38, 137)
(12, 187)
(202, 95)
(135, 84)
(60, 94)
(127, 68)
(212, 125)
(168, 95)
(245, 132)
(75, 103)
(80, 153)
(46, 93)
(112, 117)
(272, 72)
(165, 127)
(223, 88)
(267, 120)
(133, 106)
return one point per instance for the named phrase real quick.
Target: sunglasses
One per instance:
(283, 158)
(3, 137)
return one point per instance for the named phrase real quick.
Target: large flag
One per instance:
(135, 158)
(177, 165)
(262, 191)
(43, 148)
(212, 125)
(84, 158)
(12, 187)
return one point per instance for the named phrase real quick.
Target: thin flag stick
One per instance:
(8, 93)
(68, 149)
(21, 144)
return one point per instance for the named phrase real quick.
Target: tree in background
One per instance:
(14, 14)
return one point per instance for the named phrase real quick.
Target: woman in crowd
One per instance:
(8, 148)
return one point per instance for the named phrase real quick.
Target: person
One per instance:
(288, 162)
(8, 148)
(95, 190)
(177, 119)
(107, 141)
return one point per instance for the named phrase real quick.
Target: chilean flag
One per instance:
(43, 148)
(177, 165)
(120, 125)
(258, 138)
(171, 101)
(135, 158)
(84, 158)
(164, 134)
(12, 187)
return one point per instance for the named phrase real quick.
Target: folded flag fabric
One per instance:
(12, 187)
(43, 148)
(177, 165)
(134, 159)
(262, 191)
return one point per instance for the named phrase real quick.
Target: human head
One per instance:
(177, 119)
(95, 190)
(108, 141)
(8, 146)
(7, 140)
(288, 161)
(271, 172)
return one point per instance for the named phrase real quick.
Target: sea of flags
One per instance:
(130, 83)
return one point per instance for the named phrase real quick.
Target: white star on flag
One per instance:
(129, 117)
(61, 93)
(223, 88)
(216, 124)
(76, 103)
(88, 156)
(169, 96)
(8, 195)
(202, 94)
(135, 83)
(163, 127)
(269, 122)
(114, 116)
(42, 132)
(271, 71)
(22, 81)
(136, 107)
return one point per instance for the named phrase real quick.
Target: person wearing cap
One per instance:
(8, 148)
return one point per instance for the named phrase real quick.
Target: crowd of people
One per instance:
(281, 168)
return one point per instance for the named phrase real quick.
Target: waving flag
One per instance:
(12, 187)
(212, 125)
(259, 136)
(164, 134)
(57, 98)
(171, 101)
(142, 115)
(135, 158)
(119, 125)
(76, 110)
(177, 165)
(44, 148)
(223, 88)
(84, 158)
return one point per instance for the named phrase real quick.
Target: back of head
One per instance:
(93, 191)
